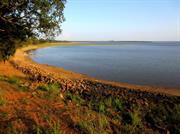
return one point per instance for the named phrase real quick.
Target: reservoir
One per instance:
(142, 63)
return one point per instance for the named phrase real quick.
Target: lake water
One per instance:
(143, 63)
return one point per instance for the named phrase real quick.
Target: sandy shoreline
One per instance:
(22, 59)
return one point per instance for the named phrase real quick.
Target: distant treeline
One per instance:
(40, 41)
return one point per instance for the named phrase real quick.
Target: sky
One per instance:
(121, 20)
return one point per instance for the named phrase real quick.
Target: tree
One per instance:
(22, 19)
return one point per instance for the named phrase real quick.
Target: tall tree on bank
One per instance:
(22, 19)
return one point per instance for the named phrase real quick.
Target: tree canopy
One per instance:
(23, 19)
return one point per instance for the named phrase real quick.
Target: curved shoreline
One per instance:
(21, 58)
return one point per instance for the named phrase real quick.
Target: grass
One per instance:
(98, 125)
(2, 101)
(51, 91)
(108, 102)
(3, 114)
(40, 130)
(132, 122)
(24, 101)
(23, 88)
(14, 80)
(102, 107)
(85, 127)
(99, 114)
(75, 98)
(54, 127)
(17, 82)
(11, 130)
(136, 118)
(118, 104)
(103, 122)
(164, 116)
(49, 87)
(45, 117)
(106, 105)
(2, 78)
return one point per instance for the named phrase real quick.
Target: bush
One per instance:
(108, 102)
(102, 107)
(118, 104)
(136, 118)
(103, 122)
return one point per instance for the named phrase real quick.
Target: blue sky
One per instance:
(102, 20)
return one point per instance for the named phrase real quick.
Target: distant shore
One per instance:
(22, 61)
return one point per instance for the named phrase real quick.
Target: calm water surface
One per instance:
(144, 63)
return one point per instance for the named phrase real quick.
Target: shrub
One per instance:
(102, 107)
(108, 102)
(136, 119)
(118, 104)
(103, 122)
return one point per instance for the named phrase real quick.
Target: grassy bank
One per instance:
(42, 99)
(35, 107)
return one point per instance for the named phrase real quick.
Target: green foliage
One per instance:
(54, 127)
(3, 114)
(49, 87)
(23, 88)
(85, 127)
(2, 78)
(108, 101)
(40, 130)
(103, 122)
(14, 80)
(75, 98)
(24, 19)
(136, 118)
(17, 82)
(118, 104)
(2, 101)
(102, 107)
(51, 90)
(93, 126)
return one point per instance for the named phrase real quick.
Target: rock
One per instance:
(61, 96)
